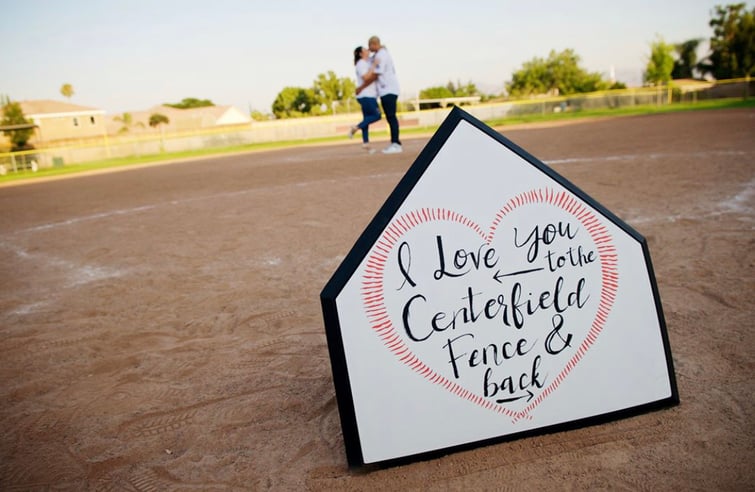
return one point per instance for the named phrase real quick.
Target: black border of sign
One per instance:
(372, 233)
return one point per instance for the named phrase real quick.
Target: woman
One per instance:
(367, 98)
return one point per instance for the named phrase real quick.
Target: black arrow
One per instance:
(529, 396)
(498, 275)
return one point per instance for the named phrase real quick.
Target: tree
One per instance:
(14, 115)
(66, 90)
(328, 93)
(686, 59)
(444, 92)
(293, 102)
(732, 44)
(190, 102)
(128, 121)
(449, 90)
(158, 120)
(560, 73)
(329, 90)
(458, 90)
(257, 115)
(437, 92)
(660, 64)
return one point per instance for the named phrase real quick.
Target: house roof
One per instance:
(215, 111)
(180, 119)
(212, 115)
(50, 108)
(10, 128)
(692, 84)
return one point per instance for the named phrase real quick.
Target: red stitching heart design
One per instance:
(387, 322)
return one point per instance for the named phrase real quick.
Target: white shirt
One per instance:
(387, 82)
(362, 67)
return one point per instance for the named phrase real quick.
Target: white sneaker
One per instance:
(393, 148)
(352, 131)
(369, 149)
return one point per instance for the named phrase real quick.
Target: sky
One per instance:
(132, 55)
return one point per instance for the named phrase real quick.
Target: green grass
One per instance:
(625, 111)
(157, 158)
(513, 120)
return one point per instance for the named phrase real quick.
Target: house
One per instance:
(180, 120)
(57, 120)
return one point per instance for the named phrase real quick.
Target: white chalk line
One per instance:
(741, 203)
(652, 156)
(74, 274)
(87, 218)
(214, 196)
(149, 207)
(25, 309)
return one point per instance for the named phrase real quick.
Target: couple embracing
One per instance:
(376, 78)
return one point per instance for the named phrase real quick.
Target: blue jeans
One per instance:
(388, 102)
(370, 114)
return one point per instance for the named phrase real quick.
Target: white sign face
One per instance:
(490, 299)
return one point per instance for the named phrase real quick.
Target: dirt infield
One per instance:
(160, 328)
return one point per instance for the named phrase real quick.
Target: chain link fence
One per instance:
(113, 148)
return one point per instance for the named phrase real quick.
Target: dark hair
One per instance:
(357, 54)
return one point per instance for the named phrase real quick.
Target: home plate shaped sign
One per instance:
(490, 299)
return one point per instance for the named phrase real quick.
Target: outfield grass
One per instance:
(626, 111)
(502, 122)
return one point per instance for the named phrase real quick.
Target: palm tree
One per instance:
(127, 120)
(67, 91)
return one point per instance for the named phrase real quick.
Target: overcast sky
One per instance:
(131, 55)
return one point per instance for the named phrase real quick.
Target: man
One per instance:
(388, 89)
